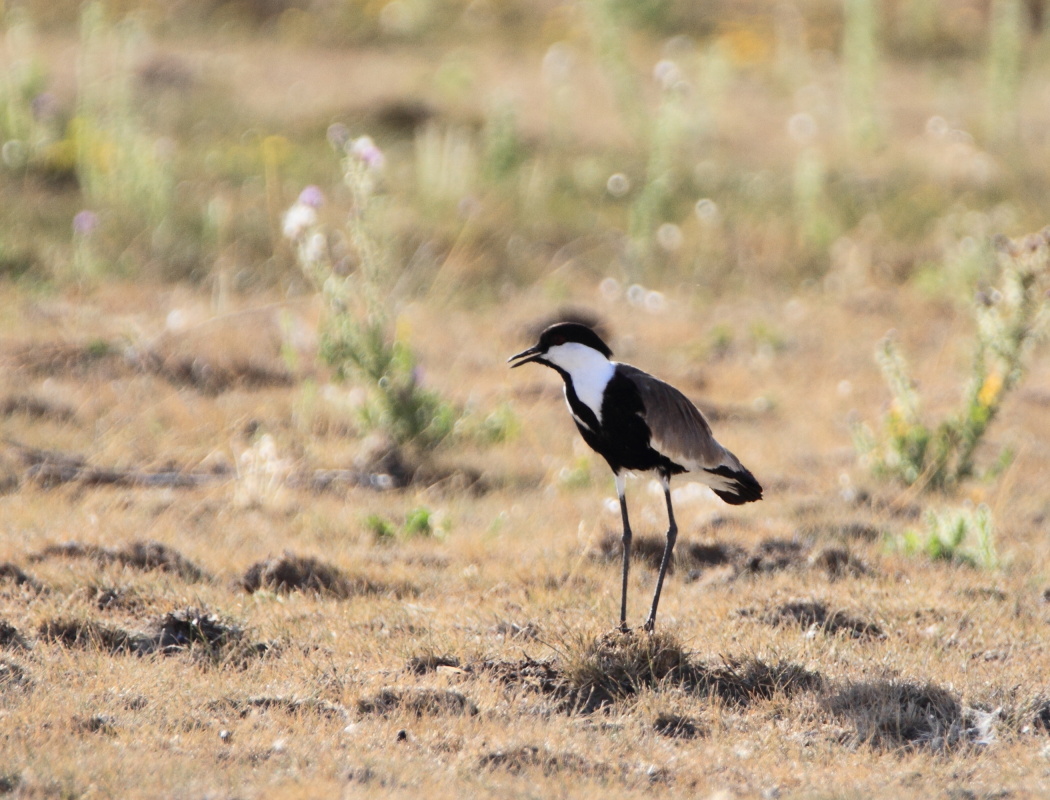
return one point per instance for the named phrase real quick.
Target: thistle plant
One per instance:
(358, 337)
(1010, 320)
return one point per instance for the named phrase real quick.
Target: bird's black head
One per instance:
(559, 334)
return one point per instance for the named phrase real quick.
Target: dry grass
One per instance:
(795, 653)
(181, 617)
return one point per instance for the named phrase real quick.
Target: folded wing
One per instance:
(679, 431)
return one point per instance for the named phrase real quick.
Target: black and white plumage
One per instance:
(637, 423)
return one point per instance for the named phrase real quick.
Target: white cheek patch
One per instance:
(589, 370)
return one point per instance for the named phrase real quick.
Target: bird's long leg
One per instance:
(672, 534)
(626, 549)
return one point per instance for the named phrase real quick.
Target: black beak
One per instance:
(532, 354)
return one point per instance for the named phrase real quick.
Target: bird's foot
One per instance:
(650, 625)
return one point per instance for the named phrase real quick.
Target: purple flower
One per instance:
(85, 222)
(364, 150)
(338, 135)
(44, 106)
(311, 196)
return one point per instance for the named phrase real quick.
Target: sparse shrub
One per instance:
(1010, 319)
(960, 536)
(359, 337)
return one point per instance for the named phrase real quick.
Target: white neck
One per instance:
(589, 370)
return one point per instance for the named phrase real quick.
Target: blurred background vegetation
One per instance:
(694, 147)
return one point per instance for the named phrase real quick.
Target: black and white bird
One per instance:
(637, 423)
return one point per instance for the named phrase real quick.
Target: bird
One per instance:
(640, 424)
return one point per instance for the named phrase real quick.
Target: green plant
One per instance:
(119, 163)
(419, 522)
(27, 113)
(960, 536)
(860, 56)
(1004, 69)
(382, 529)
(359, 339)
(1010, 320)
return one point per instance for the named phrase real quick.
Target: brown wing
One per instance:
(679, 430)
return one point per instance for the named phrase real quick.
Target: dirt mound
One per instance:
(770, 555)
(810, 613)
(292, 573)
(91, 635)
(687, 555)
(141, 555)
(838, 562)
(11, 639)
(774, 555)
(417, 701)
(429, 662)
(36, 408)
(850, 530)
(183, 630)
(13, 676)
(618, 665)
(678, 727)
(77, 359)
(243, 706)
(519, 759)
(14, 574)
(894, 714)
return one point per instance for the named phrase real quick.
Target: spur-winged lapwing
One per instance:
(637, 423)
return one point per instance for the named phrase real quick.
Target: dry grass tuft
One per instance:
(617, 665)
(774, 555)
(430, 662)
(36, 408)
(292, 573)
(192, 630)
(11, 639)
(813, 614)
(92, 635)
(243, 706)
(419, 702)
(13, 676)
(94, 357)
(676, 726)
(14, 574)
(142, 555)
(527, 757)
(839, 562)
(895, 714)
(687, 555)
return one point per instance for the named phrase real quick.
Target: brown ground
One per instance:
(797, 653)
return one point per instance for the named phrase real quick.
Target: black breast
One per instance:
(622, 437)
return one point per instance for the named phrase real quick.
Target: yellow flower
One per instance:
(990, 389)
(747, 46)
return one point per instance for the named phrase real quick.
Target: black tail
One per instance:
(743, 486)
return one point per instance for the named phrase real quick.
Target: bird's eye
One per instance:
(557, 340)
